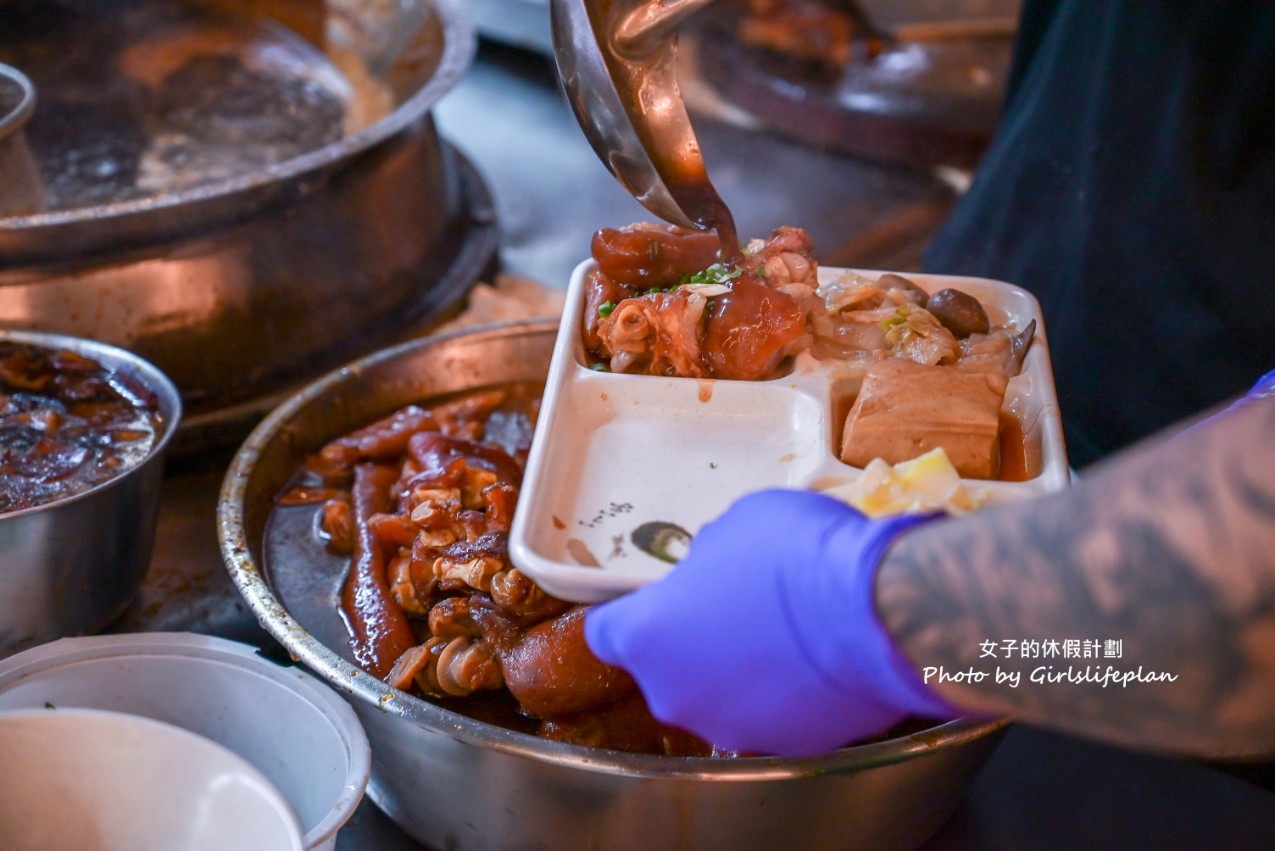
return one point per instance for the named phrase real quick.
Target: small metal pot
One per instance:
(72, 566)
(457, 783)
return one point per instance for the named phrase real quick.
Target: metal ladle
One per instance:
(617, 60)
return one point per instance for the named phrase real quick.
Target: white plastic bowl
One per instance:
(88, 780)
(294, 728)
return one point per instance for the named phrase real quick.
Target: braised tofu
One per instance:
(905, 409)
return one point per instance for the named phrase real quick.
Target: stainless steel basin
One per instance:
(457, 783)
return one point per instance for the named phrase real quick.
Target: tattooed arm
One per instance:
(1168, 548)
(1168, 551)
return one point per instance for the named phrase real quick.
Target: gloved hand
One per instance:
(1264, 388)
(765, 638)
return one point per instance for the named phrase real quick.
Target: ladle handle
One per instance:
(638, 39)
(647, 24)
(22, 190)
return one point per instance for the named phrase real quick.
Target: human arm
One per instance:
(1169, 548)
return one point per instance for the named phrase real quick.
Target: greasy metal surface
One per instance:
(406, 53)
(453, 782)
(160, 98)
(902, 17)
(71, 566)
(449, 271)
(924, 103)
(240, 286)
(525, 23)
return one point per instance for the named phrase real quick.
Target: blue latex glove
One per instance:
(1263, 389)
(765, 638)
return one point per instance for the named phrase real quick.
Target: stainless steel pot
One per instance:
(72, 566)
(243, 286)
(453, 782)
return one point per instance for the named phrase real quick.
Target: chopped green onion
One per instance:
(604, 309)
(718, 273)
(896, 327)
(900, 316)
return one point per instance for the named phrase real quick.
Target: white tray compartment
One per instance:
(615, 452)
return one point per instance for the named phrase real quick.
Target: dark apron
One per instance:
(1131, 188)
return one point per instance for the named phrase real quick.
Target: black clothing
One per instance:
(1131, 188)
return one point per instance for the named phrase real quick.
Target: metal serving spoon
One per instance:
(617, 60)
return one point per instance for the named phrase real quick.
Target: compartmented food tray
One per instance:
(624, 469)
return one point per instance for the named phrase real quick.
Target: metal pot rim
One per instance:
(13, 120)
(270, 612)
(459, 48)
(115, 359)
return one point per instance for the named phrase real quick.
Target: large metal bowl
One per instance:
(456, 783)
(242, 287)
(72, 566)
